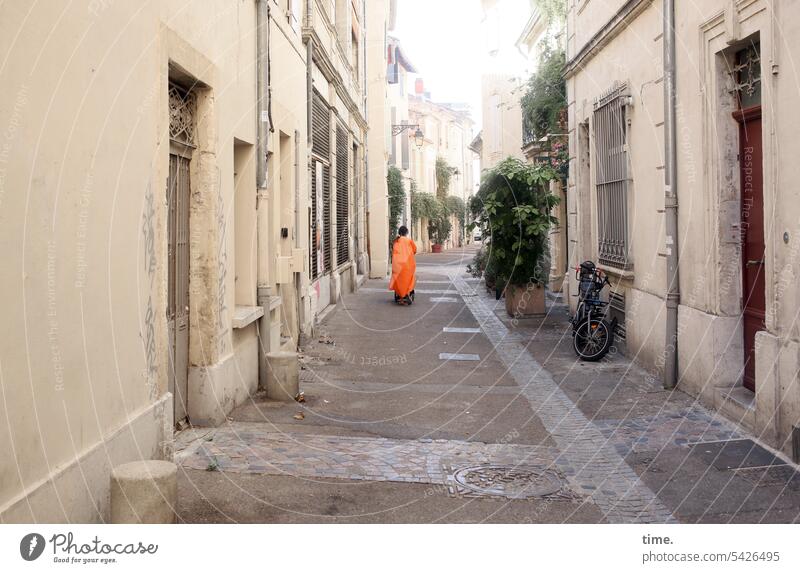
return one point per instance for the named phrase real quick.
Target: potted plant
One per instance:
(439, 228)
(513, 208)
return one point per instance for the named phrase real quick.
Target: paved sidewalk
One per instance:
(403, 424)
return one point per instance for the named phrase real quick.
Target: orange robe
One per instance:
(404, 266)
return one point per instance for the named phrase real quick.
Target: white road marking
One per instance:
(459, 357)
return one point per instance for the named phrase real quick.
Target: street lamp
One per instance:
(419, 137)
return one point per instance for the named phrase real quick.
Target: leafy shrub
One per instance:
(512, 208)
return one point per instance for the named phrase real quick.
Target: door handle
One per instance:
(753, 263)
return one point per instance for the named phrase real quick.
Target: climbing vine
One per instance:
(397, 198)
(444, 173)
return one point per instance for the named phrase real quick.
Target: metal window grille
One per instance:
(182, 111)
(342, 197)
(612, 178)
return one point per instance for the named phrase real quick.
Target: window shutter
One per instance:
(342, 197)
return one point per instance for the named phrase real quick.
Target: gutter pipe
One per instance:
(673, 296)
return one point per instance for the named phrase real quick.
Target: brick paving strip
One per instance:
(592, 463)
(249, 448)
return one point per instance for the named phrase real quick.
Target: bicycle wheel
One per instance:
(592, 339)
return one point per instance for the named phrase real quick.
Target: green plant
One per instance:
(478, 265)
(397, 198)
(423, 206)
(444, 173)
(544, 102)
(554, 11)
(440, 227)
(513, 206)
(456, 206)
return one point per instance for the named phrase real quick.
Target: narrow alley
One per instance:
(449, 411)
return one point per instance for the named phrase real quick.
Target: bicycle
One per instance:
(592, 332)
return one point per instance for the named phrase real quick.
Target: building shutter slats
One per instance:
(342, 197)
(327, 247)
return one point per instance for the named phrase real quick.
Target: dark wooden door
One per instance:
(752, 221)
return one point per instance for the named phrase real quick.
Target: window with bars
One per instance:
(342, 197)
(612, 178)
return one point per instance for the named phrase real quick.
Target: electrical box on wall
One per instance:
(283, 270)
(300, 257)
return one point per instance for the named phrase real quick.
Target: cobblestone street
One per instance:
(447, 411)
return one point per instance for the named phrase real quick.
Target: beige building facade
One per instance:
(448, 131)
(158, 178)
(738, 339)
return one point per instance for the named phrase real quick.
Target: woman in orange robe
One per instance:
(404, 266)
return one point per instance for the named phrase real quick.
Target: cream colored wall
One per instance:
(587, 17)
(379, 117)
(710, 347)
(502, 123)
(83, 222)
(289, 190)
(633, 57)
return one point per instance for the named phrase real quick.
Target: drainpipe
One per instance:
(671, 198)
(262, 149)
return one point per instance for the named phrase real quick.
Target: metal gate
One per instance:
(178, 295)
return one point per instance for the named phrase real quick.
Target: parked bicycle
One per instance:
(592, 332)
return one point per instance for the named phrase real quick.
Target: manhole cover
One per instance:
(516, 482)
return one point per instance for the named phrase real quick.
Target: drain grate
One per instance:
(506, 481)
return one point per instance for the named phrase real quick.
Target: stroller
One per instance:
(407, 300)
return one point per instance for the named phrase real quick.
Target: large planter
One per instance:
(436, 248)
(525, 301)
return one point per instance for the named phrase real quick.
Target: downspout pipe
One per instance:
(262, 81)
(673, 296)
(310, 75)
(263, 128)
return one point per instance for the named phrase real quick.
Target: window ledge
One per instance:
(617, 272)
(244, 316)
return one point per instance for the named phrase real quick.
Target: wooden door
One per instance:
(178, 294)
(752, 221)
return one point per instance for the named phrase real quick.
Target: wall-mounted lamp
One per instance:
(419, 137)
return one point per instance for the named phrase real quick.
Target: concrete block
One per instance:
(283, 376)
(144, 492)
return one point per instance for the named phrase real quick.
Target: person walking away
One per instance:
(404, 267)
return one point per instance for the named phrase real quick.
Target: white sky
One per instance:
(445, 42)
(448, 45)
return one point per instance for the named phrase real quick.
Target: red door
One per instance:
(752, 220)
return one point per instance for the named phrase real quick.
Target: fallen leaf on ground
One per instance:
(299, 416)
